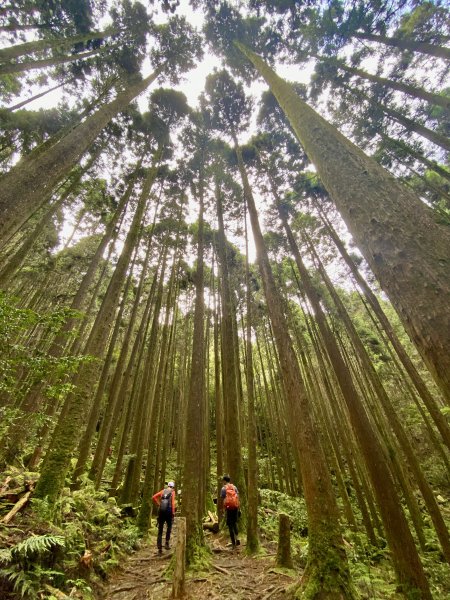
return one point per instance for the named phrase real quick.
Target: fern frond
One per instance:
(35, 545)
(5, 556)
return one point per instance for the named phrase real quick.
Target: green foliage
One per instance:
(27, 565)
(22, 361)
(80, 521)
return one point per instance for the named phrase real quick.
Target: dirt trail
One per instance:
(232, 576)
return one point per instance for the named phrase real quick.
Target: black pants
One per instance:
(232, 517)
(164, 518)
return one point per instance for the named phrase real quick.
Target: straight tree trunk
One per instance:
(9, 69)
(430, 164)
(252, 478)
(45, 44)
(406, 249)
(406, 88)
(409, 124)
(327, 574)
(406, 560)
(40, 95)
(192, 472)
(67, 432)
(406, 44)
(233, 454)
(29, 184)
(16, 260)
(407, 363)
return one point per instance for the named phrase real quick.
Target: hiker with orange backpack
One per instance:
(165, 499)
(230, 495)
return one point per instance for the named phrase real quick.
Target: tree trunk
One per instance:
(406, 44)
(327, 574)
(406, 88)
(192, 472)
(233, 454)
(45, 44)
(252, 478)
(29, 184)
(8, 69)
(409, 124)
(66, 435)
(438, 418)
(40, 95)
(406, 249)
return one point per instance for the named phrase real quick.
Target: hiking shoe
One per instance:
(159, 550)
(238, 542)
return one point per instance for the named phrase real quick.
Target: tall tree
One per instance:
(402, 258)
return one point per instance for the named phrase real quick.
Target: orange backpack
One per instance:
(231, 497)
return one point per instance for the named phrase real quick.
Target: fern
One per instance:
(23, 584)
(5, 556)
(36, 545)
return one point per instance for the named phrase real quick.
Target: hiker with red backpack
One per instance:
(230, 495)
(165, 499)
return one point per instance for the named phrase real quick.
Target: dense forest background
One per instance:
(254, 282)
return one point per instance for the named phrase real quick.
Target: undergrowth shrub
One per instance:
(81, 538)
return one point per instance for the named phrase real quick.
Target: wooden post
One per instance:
(180, 559)
(284, 558)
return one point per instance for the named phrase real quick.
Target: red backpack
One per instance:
(231, 497)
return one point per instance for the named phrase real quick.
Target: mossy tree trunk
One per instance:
(144, 397)
(327, 574)
(193, 466)
(430, 403)
(233, 454)
(153, 459)
(118, 390)
(382, 400)
(67, 432)
(405, 557)
(84, 446)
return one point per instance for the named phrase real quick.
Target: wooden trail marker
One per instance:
(180, 559)
(284, 558)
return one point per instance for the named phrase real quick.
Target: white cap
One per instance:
(171, 484)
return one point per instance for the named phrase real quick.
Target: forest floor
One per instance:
(146, 575)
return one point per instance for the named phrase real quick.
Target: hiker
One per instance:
(230, 495)
(165, 499)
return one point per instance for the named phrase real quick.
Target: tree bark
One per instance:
(406, 249)
(327, 574)
(406, 88)
(45, 44)
(8, 69)
(29, 184)
(406, 44)
(192, 472)
(66, 435)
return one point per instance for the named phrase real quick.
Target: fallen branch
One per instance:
(212, 516)
(57, 593)
(273, 592)
(5, 492)
(221, 569)
(17, 507)
(5, 483)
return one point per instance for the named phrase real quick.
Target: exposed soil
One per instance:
(146, 575)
